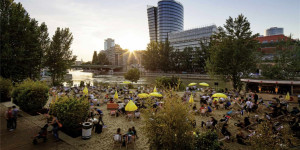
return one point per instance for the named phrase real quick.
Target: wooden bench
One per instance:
(112, 106)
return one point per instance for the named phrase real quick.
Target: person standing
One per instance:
(8, 116)
(55, 125)
(15, 112)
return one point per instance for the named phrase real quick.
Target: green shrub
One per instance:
(166, 82)
(30, 96)
(5, 89)
(70, 111)
(207, 140)
(132, 75)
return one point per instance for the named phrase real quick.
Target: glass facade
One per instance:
(169, 18)
(274, 31)
(164, 19)
(152, 22)
(190, 38)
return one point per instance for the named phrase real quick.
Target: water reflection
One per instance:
(78, 75)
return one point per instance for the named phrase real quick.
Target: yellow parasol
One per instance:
(130, 106)
(154, 90)
(191, 99)
(126, 82)
(203, 84)
(287, 97)
(143, 95)
(219, 95)
(85, 91)
(155, 94)
(116, 95)
(192, 84)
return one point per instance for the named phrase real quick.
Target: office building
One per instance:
(152, 23)
(190, 38)
(164, 19)
(274, 31)
(108, 43)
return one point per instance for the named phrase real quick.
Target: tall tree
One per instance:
(59, 58)
(95, 58)
(102, 59)
(151, 56)
(21, 42)
(165, 51)
(232, 51)
(186, 59)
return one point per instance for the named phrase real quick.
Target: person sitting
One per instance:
(227, 104)
(137, 114)
(134, 132)
(118, 136)
(210, 123)
(225, 119)
(225, 132)
(247, 121)
(129, 136)
(240, 124)
(295, 111)
(240, 138)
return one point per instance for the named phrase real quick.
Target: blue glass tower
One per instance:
(169, 18)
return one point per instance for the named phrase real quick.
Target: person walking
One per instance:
(15, 112)
(55, 123)
(8, 116)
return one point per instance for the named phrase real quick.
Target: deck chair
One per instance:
(117, 141)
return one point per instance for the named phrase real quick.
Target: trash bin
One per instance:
(87, 130)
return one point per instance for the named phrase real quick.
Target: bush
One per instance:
(30, 96)
(132, 75)
(171, 126)
(70, 111)
(166, 82)
(207, 140)
(5, 89)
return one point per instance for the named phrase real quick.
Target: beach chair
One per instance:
(113, 113)
(117, 141)
(130, 142)
(130, 116)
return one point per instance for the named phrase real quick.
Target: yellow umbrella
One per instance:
(131, 106)
(155, 94)
(85, 91)
(287, 97)
(126, 82)
(219, 95)
(154, 90)
(203, 84)
(143, 95)
(192, 84)
(116, 95)
(191, 99)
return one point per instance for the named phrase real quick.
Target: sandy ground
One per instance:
(30, 125)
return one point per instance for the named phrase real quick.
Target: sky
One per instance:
(92, 21)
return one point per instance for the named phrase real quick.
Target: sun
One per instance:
(131, 50)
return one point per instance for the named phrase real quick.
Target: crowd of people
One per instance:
(251, 109)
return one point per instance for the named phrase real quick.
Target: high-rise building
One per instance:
(190, 38)
(273, 31)
(108, 43)
(164, 19)
(152, 23)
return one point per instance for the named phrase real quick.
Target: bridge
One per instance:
(97, 67)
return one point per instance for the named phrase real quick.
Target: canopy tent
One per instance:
(126, 82)
(143, 95)
(203, 84)
(130, 106)
(191, 100)
(116, 95)
(287, 97)
(220, 95)
(192, 84)
(85, 91)
(155, 94)
(154, 90)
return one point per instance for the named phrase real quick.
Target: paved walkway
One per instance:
(27, 127)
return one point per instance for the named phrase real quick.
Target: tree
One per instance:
(170, 127)
(132, 75)
(59, 58)
(95, 58)
(5, 89)
(151, 56)
(165, 56)
(187, 60)
(102, 59)
(232, 51)
(22, 43)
